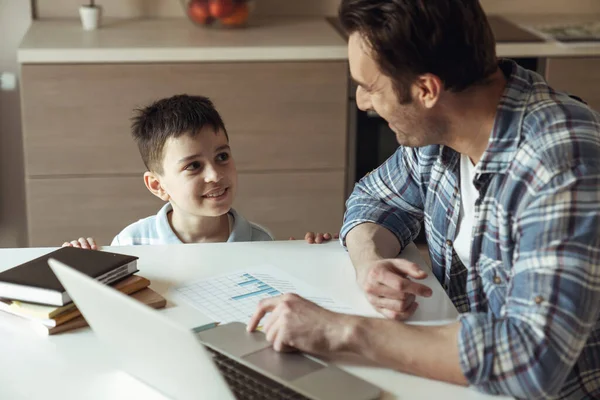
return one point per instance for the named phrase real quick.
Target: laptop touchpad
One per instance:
(287, 366)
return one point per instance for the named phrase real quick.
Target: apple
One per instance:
(238, 17)
(199, 12)
(221, 8)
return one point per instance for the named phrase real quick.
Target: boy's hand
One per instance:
(82, 243)
(318, 238)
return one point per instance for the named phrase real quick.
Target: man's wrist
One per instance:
(347, 334)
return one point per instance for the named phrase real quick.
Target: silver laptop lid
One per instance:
(149, 346)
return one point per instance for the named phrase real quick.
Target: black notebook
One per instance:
(35, 282)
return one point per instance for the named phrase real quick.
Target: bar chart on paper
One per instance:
(235, 296)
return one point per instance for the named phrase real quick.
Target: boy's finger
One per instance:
(327, 236)
(84, 243)
(310, 237)
(92, 243)
(319, 238)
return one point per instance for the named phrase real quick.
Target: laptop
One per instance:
(224, 362)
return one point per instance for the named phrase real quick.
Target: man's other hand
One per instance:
(388, 288)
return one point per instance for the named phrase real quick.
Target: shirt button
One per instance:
(497, 280)
(538, 299)
(449, 243)
(455, 191)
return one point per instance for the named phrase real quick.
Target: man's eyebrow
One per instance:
(359, 83)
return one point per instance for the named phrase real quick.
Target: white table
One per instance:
(75, 365)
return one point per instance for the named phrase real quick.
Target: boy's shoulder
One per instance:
(154, 229)
(246, 231)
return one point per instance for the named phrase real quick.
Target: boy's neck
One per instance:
(194, 229)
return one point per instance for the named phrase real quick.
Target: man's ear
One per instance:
(427, 90)
(152, 182)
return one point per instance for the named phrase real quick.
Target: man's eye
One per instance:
(223, 157)
(193, 166)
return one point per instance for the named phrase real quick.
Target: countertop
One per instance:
(281, 39)
(178, 40)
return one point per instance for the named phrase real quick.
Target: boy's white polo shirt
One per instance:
(157, 230)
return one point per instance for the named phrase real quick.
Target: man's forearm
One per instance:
(371, 242)
(427, 351)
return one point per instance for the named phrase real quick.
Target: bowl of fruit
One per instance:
(219, 13)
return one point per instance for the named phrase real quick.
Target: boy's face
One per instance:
(199, 177)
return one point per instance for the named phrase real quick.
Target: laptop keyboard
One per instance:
(246, 384)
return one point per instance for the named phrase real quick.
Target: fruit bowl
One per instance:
(219, 13)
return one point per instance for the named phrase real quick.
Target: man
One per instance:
(504, 173)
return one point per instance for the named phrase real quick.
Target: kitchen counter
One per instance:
(282, 39)
(178, 40)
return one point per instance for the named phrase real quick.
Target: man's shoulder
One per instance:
(562, 130)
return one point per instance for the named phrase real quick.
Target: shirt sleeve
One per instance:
(389, 196)
(553, 295)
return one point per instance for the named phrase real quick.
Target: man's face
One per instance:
(413, 124)
(199, 173)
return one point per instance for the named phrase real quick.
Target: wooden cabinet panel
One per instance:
(280, 116)
(577, 76)
(288, 204)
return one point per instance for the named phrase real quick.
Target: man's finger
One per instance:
(390, 304)
(265, 306)
(399, 316)
(398, 283)
(75, 243)
(408, 268)
(66, 244)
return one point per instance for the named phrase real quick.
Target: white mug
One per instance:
(90, 17)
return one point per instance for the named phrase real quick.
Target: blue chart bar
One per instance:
(259, 286)
(243, 296)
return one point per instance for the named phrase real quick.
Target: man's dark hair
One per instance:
(451, 39)
(171, 117)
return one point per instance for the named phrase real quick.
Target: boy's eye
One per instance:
(223, 157)
(193, 166)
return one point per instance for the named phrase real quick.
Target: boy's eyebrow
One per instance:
(192, 156)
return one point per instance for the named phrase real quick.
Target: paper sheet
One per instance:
(235, 296)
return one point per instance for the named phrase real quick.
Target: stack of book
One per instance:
(32, 291)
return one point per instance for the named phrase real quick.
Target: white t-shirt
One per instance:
(466, 218)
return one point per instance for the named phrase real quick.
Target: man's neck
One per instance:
(199, 229)
(472, 115)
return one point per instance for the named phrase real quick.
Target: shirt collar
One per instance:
(506, 133)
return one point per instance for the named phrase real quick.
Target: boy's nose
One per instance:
(212, 174)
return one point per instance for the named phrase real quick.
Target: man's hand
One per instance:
(388, 289)
(82, 243)
(296, 323)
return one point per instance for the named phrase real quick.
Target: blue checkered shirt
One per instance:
(530, 298)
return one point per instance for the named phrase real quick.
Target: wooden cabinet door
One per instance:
(577, 76)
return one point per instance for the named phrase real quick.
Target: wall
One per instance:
(15, 17)
(152, 8)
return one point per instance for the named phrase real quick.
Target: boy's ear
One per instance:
(152, 182)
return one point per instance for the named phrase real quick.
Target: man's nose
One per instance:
(363, 100)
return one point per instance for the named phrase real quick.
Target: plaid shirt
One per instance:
(530, 299)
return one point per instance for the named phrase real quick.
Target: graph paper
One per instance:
(235, 296)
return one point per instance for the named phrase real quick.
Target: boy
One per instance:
(185, 147)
